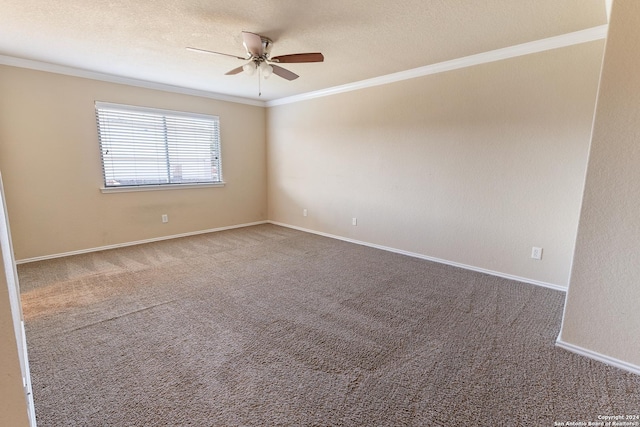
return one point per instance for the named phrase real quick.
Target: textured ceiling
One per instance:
(360, 39)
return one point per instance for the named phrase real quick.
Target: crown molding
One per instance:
(79, 72)
(564, 40)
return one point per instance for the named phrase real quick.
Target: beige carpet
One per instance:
(271, 326)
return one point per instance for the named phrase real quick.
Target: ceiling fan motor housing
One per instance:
(267, 43)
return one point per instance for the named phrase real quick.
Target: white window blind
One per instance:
(145, 146)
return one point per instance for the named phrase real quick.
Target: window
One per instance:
(150, 147)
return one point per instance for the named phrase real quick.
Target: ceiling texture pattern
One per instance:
(360, 39)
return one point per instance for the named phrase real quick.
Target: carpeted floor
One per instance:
(271, 326)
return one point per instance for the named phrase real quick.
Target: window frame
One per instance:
(160, 113)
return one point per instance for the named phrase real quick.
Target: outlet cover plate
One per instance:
(536, 253)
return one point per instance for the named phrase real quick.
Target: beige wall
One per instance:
(50, 160)
(602, 312)
(13, 407)
(473, 166)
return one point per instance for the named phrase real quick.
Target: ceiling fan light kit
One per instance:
(258, 54)
(253, 65)
(266, 69)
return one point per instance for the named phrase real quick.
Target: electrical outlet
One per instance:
(536, 253)
(354, 221)
(304, 212)
(165, 218)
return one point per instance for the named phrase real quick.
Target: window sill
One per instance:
(128, 189)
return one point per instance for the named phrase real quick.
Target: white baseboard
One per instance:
(599, 357)
(429, 258)
(569, 347)
(332, 236)
(138, 242)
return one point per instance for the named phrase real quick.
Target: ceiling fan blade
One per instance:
(253, 43)
(299, 57)
(284, 73)
(193, 49)
(234, 71)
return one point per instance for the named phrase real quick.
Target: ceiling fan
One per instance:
(258, 56)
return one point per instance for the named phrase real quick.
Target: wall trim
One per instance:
(137, 242)
(428, 258)
(612, 361)
(94, 75)
(306, 230)
(564, 40)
